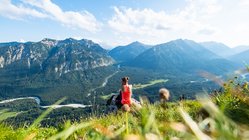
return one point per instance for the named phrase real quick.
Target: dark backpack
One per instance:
(114, 103)
(118, 100)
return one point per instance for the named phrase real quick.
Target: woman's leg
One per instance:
(126, 108)
(136, 104)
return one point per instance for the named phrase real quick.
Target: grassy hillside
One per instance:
(222, 115)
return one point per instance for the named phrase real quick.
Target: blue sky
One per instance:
(119, 22)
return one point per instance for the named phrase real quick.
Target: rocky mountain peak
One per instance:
(51, 55)
(49, 42)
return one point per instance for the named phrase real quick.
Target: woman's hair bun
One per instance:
(125, 79)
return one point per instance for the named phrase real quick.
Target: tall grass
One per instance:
(153, 121)
(222, 116)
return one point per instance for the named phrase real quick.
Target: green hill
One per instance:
(222, 115)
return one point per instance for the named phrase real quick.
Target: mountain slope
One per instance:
(218, 48)
(240, 49)
(51, 55)
(241, 58)
(52, 69)
(128, 52)
(180, 56)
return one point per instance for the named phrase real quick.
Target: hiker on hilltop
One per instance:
(123, 100)
(126, 92)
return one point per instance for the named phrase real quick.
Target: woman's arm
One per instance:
(123, 88)
(130, 87)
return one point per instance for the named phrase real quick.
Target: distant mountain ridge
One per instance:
(217, 48)
(181, 56)
(54, 55)
(222, 49)
(128, 52)
(240, 49)
(63, 56)
(241, 58)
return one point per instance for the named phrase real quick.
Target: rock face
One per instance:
(59, 56)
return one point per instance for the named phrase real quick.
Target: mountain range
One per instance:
(181, 56)
(51, 69)
(223, 50)
(60, 56)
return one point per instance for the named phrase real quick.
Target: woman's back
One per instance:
(126, 95)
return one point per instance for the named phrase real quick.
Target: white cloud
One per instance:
(244, 3)
(7, 9)
(83, 20)
(47, 9)
(200, 9)
(139, 21)
(161, 26)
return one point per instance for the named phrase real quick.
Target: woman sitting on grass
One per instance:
(126, 92)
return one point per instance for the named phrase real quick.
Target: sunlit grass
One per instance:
(138, 86)
(151, 83)
(4, 114)
(153, 121)
(227, 117)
